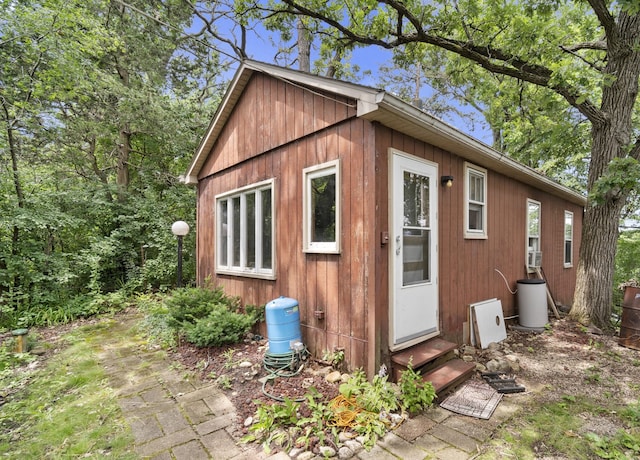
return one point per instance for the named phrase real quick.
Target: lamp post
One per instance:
(180, 228)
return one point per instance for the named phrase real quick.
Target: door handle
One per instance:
(398, 245)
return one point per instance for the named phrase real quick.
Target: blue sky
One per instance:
(369, 60)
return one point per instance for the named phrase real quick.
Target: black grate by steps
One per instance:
(502, 382)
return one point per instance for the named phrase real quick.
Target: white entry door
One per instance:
(414, 244)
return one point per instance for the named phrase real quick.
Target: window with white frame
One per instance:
(245, 231)
(534, 256)
(568, 238)
(321, 208)
(475, 203)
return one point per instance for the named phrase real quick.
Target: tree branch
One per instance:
(593, 65)
(604, 16)
(600, 45)
(492, 59)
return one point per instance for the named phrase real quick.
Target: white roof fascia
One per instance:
(443, 135)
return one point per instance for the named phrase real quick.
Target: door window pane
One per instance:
(415, 257)
(416, 200)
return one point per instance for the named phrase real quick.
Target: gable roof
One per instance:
(387, 109)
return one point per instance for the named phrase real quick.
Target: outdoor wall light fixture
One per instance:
(447, 181)
(180, 229)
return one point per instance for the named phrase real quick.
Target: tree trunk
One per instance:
(304, 47)
(122, 168)
(612, 138)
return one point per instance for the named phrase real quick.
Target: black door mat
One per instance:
(502, 383)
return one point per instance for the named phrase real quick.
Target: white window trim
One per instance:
(312, 172)
(564, 233)
(526, 241)
(471, 233)
(243, 270)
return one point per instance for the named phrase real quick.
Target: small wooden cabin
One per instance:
(382, 221)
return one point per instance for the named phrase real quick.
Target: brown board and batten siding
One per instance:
(272, 128)
(468, 268)
(275, 131)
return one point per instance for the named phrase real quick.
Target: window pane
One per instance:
(475, 217)
(534, 219)
(251, 229)
(568, 227)
(323, 209)
(415, 257)
(568, 251)
(267, 245)
(476, 187)
(416, 200)
(222, 238)
(534, 244)
(236, 231)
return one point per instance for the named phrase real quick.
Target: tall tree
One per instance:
(101, 106)
(587, 53)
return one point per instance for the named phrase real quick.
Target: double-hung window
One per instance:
(245, 231)
(321, 208)
(568, 238)
(534, 256)
(475, 203)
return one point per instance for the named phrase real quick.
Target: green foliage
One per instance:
(188, 305)
(270, 423)
(335, 358)
(208, 317)
(622, 446)
(622, 175)
(221, 326)
(416, 393)
(96, 133)
(375, 396)
(631, 413)
(627, 267)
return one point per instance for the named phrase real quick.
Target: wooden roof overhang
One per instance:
(388, 110)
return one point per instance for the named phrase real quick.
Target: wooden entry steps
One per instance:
(434, 360)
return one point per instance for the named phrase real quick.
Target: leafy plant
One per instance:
(270, 421)
(373, 397)
(416, 394)
(334, 358)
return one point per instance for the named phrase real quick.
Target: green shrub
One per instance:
(221, 326)
(208, 317)
(188, 305)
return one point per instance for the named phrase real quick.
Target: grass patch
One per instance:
(557, 429)
(66, 409)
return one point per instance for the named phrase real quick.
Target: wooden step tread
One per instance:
(423, 353)
(450, 373)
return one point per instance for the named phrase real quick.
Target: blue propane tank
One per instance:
(283, 325)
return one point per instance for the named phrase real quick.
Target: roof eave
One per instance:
(417, 123)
